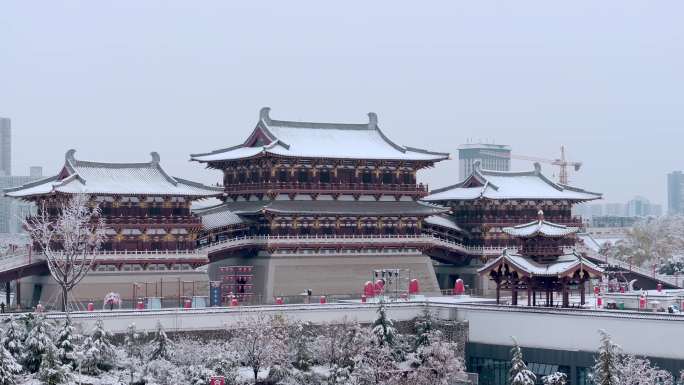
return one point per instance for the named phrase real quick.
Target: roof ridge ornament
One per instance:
(540, 215)
(264, 114)
(372, 120)
(155, 157)
(69, 156)
(537, 168)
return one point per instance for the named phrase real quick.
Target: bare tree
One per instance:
(261, 342)
(68, 240)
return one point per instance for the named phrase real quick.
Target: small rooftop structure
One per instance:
(512, 185)
(540, 228)
(319, 140)
(96, 178)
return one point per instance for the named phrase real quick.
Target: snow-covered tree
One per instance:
(557, 378)
(67, 343)
(13, 339)
(375, 366)
(519, 374)
(605, 370)
(8, 367)
(160, 344)
(639, 371)
(438, 362)
(133, 342)
(68, 240)
(98, 350)
(383, 327)
(650, 239)
(423, 328)
(300, 344)
(338, 343)
(38, 341)
(52, 371)
(260, 342)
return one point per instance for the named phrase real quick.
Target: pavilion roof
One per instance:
(443, 220)
(219, 216)
(489, 184)
(319, 140)
(331, 207)
(564, 266)
(84, 177)
(540, 227)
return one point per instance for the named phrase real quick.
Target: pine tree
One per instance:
(519, 374)
(133, 342)
(605, 369)
(66, 343)
(161, 344)
(557, 378)
(383, 327)
(13, 338)
(52, 371)
(98, 350)
(37, 343)
(423, 327)
(8, 367)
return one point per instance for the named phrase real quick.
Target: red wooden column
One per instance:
(581, 289)
(498, 290)
(565, 294)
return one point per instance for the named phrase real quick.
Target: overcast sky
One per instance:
(118, 79)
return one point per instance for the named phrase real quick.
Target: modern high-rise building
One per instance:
(495, 157)
(5, 146)
(675, 185)
(13, 211)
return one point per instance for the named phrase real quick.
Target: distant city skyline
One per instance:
(180, 79)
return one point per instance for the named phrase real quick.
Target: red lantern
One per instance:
(414, 287)
(91, 306)
(369, 289)
(597, 290)
(642, 302)
(599, 301)
(140, 305)
(379, 287)
(279, 301)
(217, 380)
(459, 287)
(323, 299)
(622, 289)
(363, 298)
(234, 302)
(187, 304)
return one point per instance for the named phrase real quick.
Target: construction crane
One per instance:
(561, 162)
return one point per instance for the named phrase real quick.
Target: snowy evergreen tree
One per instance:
(423, 327)
(98, 351)
(438, 363)
(161, 344)
(605, 371)
(67, 343)
(38, 342)
(13, 339)
(8, 367)
(52, 371)
(300, 341)
(557, 378)
(133, 342)
(376, 366)
(383, 327)
(519, 374)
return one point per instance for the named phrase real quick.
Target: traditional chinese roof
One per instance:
(565, 266)
(540, 227)
(527, 185)
(219, 216)
(319, 140)
(83, 177)
(442, 220)
(330, 207)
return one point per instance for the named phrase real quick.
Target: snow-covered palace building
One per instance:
(151, 233)
(330, 201)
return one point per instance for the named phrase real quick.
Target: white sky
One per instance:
(118, 79)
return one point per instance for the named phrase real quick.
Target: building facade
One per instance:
(13, 211)
(308, 180)
(496, 157)
(675, 185)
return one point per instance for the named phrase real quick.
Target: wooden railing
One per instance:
(326, 187)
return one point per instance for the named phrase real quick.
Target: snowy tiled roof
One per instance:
(319, 140)
(509, 185)
(332, 207)
(79, 176)
(443, 221)
(219, 216)
(565, 265)
(540, 227)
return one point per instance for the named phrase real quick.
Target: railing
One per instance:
(333, 187)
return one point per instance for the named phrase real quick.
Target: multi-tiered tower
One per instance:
(347, 182)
